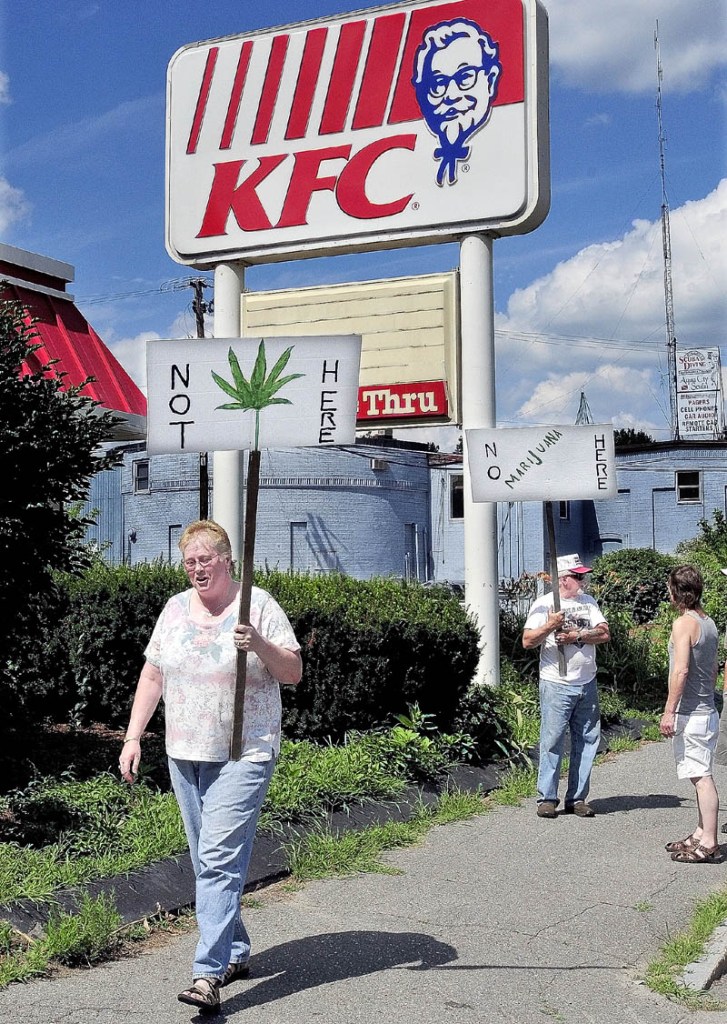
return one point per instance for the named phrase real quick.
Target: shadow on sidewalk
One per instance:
(639, 802)
(334, 956)
(301, 964)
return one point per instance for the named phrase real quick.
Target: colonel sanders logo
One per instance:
(456, 73)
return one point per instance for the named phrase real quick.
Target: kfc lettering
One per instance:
(230, 195)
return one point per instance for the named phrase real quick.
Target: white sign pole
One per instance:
(478, 410)
(227, 481)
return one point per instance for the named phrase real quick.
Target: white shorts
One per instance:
(694, 743)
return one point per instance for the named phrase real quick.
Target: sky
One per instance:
(579, 301)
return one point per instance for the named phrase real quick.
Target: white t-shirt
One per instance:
(198, 663)
(581, 612)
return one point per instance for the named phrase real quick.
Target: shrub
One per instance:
(96, 649)
(632, 581)
(370, 648)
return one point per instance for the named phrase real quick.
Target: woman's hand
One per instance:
(667, 724)
(246, 638)
(129, 759)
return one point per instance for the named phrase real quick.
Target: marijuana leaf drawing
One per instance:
(256, 393)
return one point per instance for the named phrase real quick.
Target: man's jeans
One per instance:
(220, 803)
(568, 706)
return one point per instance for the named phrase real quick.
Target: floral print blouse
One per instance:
(197, 663)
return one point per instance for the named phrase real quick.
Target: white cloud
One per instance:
(609, 46)
(131, 352)
(5, 97)
(13, 205)
(597, 322)
(80, 136)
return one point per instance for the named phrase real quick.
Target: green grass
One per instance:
(323, 854)
(515, 786)
(83, 938)
(144, 827)
(663, 974)
(621, 744)
(117, 829)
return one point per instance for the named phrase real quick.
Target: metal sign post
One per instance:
(478, 410)
(227, 465)
(562, 667)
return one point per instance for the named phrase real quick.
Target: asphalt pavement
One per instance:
(506, 918)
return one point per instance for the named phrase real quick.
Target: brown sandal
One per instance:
(699, 855)
(235, 972)
(204, 993)
(680, 845)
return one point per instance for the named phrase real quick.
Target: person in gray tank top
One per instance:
(690, 717)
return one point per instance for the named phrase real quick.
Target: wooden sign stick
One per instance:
(243, 616)
(562, 668)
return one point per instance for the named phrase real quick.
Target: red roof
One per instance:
(65, 334)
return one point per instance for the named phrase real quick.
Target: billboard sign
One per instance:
(227, 394)
(698, 369)
(699, 393)
(542, 463)
(416, 122)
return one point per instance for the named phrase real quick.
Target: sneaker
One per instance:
(546, 809)
(581, 808)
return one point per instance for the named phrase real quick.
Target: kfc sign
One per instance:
(414, 123)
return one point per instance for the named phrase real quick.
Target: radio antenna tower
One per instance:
(671, 340)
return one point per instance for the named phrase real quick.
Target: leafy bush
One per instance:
(635, 663)
(370, 649)
(95, 649)
(50, 434)
(633, 580)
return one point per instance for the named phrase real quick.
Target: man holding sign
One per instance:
(568, 702)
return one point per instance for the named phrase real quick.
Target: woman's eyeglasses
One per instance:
(203, 561)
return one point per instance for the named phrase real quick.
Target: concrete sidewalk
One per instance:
(507, 918)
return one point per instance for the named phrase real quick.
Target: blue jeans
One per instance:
(568, 706)
(220, 803)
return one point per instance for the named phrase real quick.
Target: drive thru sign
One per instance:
(406, 124)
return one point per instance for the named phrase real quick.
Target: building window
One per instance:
(175, 532)
(564, 510)
(141, 476)
(456, 497)
(688, 485)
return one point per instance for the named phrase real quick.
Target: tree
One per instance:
(49, 450)
(627, 435)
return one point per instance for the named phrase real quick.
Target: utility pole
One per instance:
(199, 308)
(671, 340)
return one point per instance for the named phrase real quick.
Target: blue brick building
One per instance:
(370, 510)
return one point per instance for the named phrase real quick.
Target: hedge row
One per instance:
(370, 648)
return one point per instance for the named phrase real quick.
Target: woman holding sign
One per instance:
(191, 662)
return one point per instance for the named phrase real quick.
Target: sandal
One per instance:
(204, 993)
(235, 972)
(680, 845)
(699, 855)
